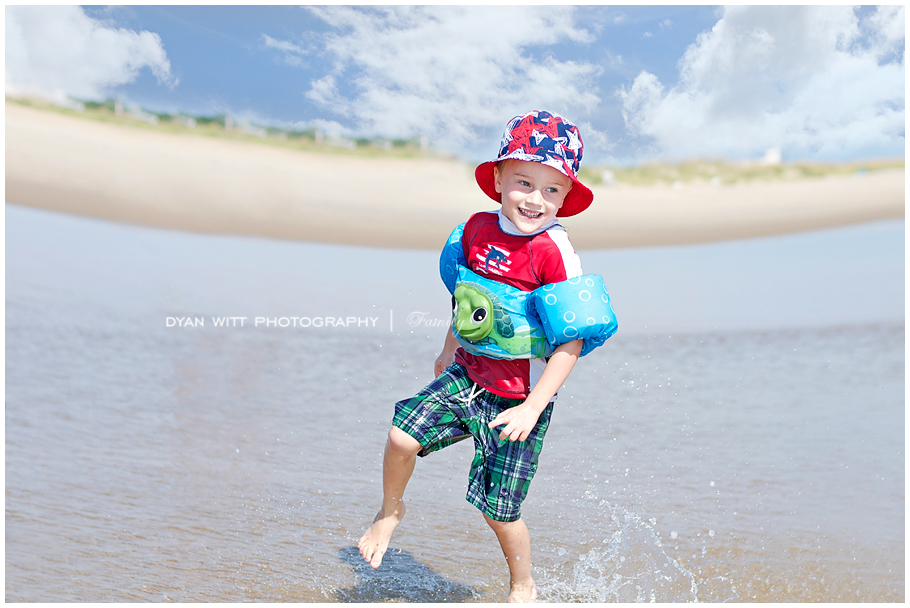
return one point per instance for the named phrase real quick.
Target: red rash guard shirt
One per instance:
(495, 249)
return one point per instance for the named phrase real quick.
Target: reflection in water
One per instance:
(400, 578)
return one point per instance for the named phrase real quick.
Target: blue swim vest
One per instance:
(496, 320)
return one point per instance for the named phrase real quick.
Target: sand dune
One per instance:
(219, 186)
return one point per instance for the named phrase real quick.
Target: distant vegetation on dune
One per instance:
(664, 173)
(226, 126)
(722, 172)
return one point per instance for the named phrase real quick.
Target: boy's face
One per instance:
(532, 193)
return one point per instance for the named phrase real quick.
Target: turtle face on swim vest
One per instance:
(473, 313)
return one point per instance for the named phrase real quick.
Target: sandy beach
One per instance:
(216, 186)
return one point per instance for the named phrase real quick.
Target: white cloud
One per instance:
(325, 93)
(292, 52)
(52, 50)
(886, 30)
(450, 72)
(611, 60)
(816, 81)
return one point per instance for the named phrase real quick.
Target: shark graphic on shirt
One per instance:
(495, 260)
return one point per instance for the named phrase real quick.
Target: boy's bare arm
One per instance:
(521, 419)
(447, 356)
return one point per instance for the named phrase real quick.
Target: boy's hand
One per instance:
(519, 420)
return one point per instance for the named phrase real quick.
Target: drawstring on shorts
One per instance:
(472, 394)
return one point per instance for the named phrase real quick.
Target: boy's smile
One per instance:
(532, 193)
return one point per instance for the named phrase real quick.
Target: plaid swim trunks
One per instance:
(452, 408)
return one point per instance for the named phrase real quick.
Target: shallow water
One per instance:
(155, 463)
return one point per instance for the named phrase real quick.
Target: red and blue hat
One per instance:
(544, 138)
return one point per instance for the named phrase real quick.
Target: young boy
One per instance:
(523, 246)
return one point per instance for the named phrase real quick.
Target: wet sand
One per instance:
(217, 186)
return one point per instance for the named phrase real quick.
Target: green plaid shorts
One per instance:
(444, 413)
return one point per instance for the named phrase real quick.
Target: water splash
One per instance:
(631, 567)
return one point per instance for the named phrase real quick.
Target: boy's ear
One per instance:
(497, 179)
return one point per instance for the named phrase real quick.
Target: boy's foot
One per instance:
(375, 541)
(523, 593)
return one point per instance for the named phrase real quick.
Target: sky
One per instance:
(642, 82)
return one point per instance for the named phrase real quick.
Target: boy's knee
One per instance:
(401, 442)
(499, 526)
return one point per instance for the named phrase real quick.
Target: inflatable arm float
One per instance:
(496, 320)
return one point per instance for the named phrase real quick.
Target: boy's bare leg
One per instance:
(397, 465)
(516, 547)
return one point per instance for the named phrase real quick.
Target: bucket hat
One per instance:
(544, 138)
